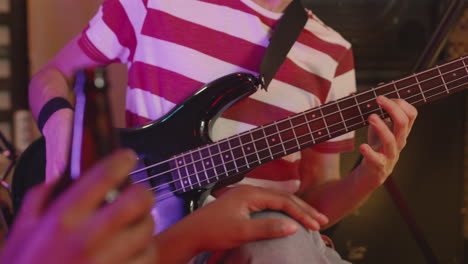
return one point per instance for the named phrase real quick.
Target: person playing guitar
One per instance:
(172, 48)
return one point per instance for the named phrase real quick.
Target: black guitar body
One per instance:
(179, 170)
(186, 127)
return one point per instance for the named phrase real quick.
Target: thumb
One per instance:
(33, 205)
(270, 228)
(35, 199)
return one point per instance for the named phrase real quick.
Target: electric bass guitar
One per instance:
(180, 163)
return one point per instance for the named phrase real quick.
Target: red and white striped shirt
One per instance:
(173, 47)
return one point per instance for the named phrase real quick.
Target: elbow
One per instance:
(47, 83)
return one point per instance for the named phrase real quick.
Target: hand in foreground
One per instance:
(78, 228)
(226, 223)
(386, 142)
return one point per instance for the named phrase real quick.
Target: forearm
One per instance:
(177, 244)
(45, 85)
(56, 128)
(339, 198)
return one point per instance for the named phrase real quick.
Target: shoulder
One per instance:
(321, 30)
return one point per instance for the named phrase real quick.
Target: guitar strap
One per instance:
(289, 27)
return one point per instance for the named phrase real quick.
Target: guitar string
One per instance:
(169, 194)
(185, 166)
(277, 133)
(234, 160)
(205, 147)
(274, 154)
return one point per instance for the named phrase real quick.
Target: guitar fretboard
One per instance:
(243, 152)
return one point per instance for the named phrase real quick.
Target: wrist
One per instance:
(50, 108)
(366, 179)
(186, 248)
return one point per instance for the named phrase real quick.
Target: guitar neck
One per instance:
(240, 153)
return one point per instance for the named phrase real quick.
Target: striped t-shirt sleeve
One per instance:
(110, 35)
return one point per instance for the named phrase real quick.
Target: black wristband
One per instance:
(52, 106)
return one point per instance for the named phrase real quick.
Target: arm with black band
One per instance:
(49, 108)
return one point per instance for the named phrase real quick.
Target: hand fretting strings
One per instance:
(308, 122)
(209, 178)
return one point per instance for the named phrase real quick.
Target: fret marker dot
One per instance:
(313, 116)
(248, 148)
(408, 91)
(454, 75)
(227, 156)
(180, 162)
(368, 105)
(319, 133)
(273, 139)
(185, 182)
(207, 163)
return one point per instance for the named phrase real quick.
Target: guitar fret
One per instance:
(443, 80)
(316, 125)
(342, 118)
(294, 132)
(226, 157)
(239, 153)
(210, 164)
(233, 156)
(351, 113)
(432, 86)
(187, 170)
(250, 140)
(409, 89)
(301, 130)
(255, 148)
(382, 113)
(196, 170)
(188, 178)
(221, 155)
(325, 122)
(308, 127)
(287, 134)
(396, 89)
(178, 168)
(261, 144)
(279, 137)
(205, 170)
(245, 154)
(420, 88)
(465, 66)
(214, 164)
(359, 108)
(268, 143)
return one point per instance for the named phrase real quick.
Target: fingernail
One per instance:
(312, 222)
(315, 226)
(323, 218)
(381, 99)
(371, 119)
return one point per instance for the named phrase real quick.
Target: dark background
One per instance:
(388, 38)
